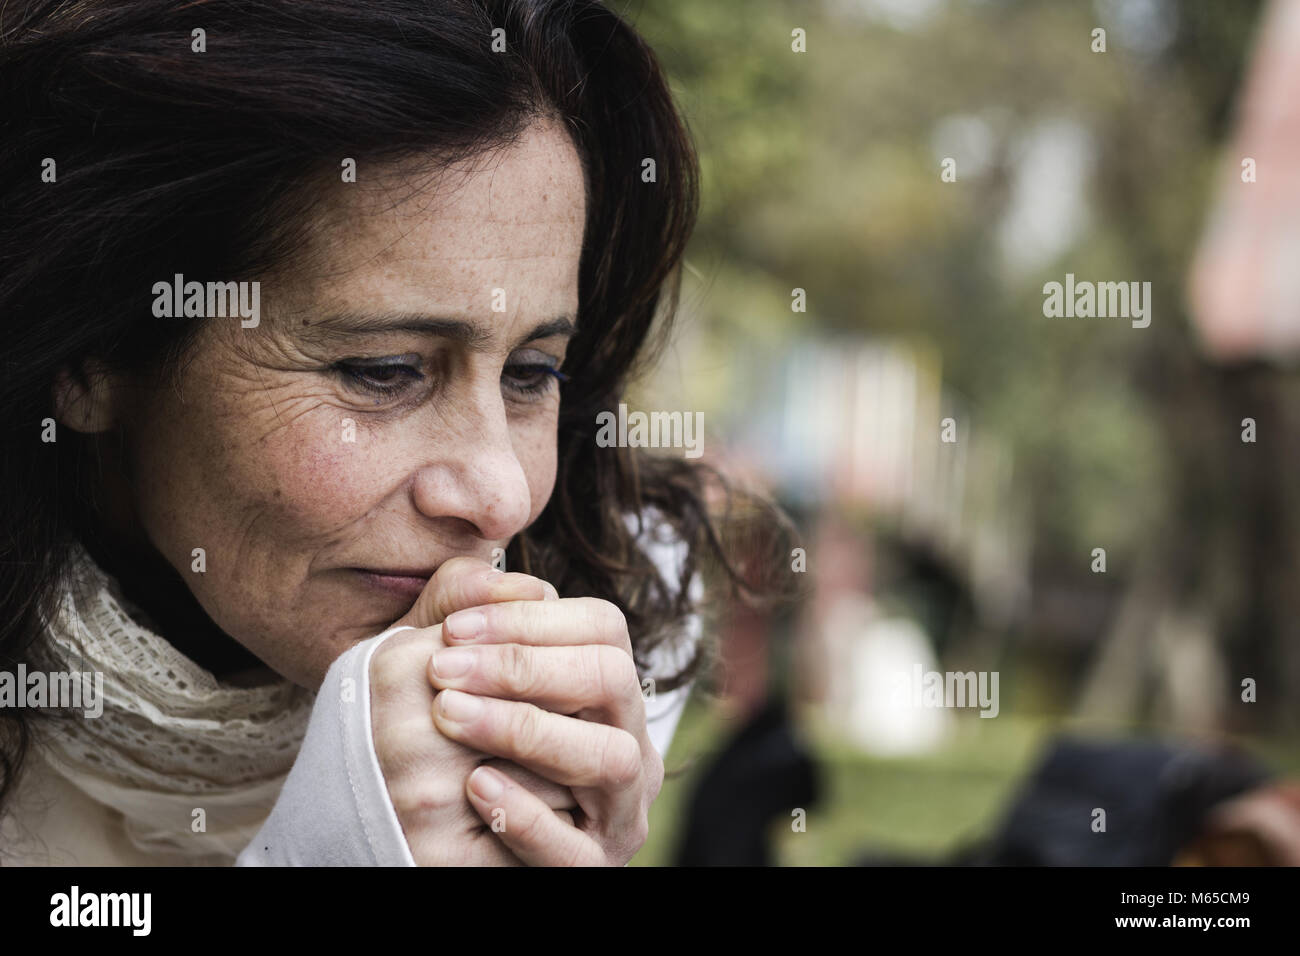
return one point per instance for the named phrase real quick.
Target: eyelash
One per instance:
(355, 373)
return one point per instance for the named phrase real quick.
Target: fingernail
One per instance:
(551, 593)
(454, 662)
(464, 625)
(462, 708)
(487, 783)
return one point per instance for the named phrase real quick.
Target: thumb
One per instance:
(465, 582)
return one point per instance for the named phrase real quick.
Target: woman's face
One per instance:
(309, 455)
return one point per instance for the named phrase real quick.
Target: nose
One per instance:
(474, 472)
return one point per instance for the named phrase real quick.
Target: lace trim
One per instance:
(172, 739)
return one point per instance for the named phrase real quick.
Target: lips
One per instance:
(404, 584)
(425, 573)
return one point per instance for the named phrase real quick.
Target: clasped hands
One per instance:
(537, 751)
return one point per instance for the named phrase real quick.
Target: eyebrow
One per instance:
(472, 335)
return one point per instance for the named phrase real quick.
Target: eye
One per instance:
(533, 374)
(385, 377)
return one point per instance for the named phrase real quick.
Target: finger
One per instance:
(565, 817)
(533, 831)
(582, 620)
(566, 680)
(556, 796)
(463, 582)
(457, 580)
(572, 752)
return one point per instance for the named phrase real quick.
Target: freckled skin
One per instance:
(248, 460)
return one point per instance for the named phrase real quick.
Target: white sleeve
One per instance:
(334, 808)
(664, 710)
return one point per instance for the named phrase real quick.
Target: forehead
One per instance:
(404, 238)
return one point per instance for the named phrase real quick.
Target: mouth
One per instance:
(406, 584)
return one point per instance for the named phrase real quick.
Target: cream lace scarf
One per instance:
(193, 764)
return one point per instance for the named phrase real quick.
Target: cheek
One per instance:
(316, 485)
(536, 450)
(319, 468)
(211, 481)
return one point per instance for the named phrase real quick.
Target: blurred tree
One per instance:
(822, 170)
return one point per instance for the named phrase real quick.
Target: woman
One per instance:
(309, 320)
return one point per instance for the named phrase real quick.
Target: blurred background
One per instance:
(862, 325)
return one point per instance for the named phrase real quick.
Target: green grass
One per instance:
(919, 806)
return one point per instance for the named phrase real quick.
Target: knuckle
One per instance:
(615, 673)
(607, 619)
(423, 797)
(385, 678)
(393, 671)
(621, 759)
(518, 669)
(530, 617)
(524, 728)
(452, 582)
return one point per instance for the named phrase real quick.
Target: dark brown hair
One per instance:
(176, 161)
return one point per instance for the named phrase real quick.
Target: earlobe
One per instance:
(86, 400)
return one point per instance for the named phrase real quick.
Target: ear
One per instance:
(89, 399)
